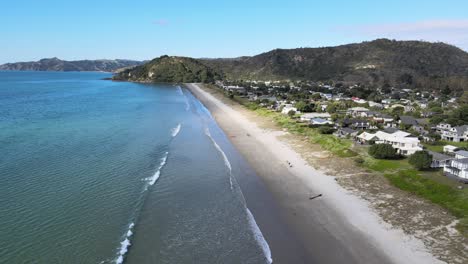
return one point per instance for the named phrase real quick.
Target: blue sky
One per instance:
(143, 29)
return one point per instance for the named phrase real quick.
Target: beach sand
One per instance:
(339, 226)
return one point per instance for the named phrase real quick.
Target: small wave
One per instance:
(259, 236)
(226, 160)
(152, 180)
(176, 130)
(125, 244)
(179, 89)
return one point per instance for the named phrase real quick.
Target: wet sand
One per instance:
(337, 227)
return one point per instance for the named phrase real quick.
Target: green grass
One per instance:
(337, 146)
(448, 197)
(439, 145)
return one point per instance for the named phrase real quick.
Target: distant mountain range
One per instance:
(413, 64)
(55, 64)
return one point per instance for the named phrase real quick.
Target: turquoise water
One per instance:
(94, 171)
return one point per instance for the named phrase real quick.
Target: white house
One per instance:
(308, 116)
(320, 121)
(461, 154)
(457, 168)
(450, 149)
(287, 108)
(456, 134)
(357, 111)
(399, 140)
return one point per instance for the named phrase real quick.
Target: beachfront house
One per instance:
(287, 108)
(457, 168)
(456, 134)
(309, 116)
(400, 140)
(461, 154)
(439, 160)
(450, 149)
(320, 121)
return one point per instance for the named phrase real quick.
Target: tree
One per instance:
(383, 151)
(326, 130)
(291, 113)
(421, 160)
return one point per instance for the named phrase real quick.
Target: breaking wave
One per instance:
(152, 180)
(259, 236)
(226, 160)
(175, 131)
(125, 244)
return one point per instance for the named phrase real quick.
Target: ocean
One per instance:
(95, 171)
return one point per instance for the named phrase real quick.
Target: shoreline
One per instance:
(335, 228)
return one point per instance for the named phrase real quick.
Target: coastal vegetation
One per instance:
(383, 151)
(421, 160)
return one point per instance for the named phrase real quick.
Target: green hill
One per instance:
(170, 69)
(411, 63)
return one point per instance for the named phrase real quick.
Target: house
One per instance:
(408, 121)
(357, 124)
(443, 127)
(450, 149)
(461, 154)
(346, 132)
(308, 116)
(409, 108)
(382, 118)
(367, 138)
(456, 134)
(439, 160)
(320, 121)
(357, 111)
(236, 88)
(287, 108)
(458, 169)
(399, 140)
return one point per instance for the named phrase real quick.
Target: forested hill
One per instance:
(411, 63)
(55, 64)
(170, 69)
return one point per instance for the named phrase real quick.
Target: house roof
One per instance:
(465, 160)
(367, 136)
(348, 130)
(463, 153)
(461, 129)
(390, 130)
(408, 120)
(439, 156)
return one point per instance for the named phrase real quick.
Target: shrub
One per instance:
(326, 130)
(420, 160)
(359, 160)
(383, 151)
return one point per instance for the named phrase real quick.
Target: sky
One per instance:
(141, 30)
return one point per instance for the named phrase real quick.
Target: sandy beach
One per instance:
(338, 226)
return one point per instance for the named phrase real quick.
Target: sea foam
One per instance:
(259, 236)
(152, 180)
(125, 244)
(226, 160)
(175, 131)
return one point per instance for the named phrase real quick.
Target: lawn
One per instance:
(439, 145)
(449, 197)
